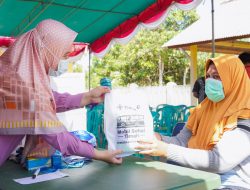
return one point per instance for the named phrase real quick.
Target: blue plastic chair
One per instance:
(95, 124)
(187, 112)
(167, 116)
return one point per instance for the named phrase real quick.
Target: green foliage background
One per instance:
(138, 61)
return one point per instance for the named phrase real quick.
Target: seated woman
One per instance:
(216, 137)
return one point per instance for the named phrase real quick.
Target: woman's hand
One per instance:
(152, 147)
(94, 96)
(158, 136)
(108, 156)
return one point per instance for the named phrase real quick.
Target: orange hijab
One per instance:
(209, 120)
(26, 101)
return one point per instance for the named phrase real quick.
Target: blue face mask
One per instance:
(214, 90)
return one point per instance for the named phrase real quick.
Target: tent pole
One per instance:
(89, 66)
(213, 40)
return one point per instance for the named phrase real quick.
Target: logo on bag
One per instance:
(130, 121)
(134, 108)
(130, 128)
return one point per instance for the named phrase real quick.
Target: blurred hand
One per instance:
(158, 136)
(94, 96)
(108, 156)
(152, 147)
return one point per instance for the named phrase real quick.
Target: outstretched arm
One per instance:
(229, 152)
(66, 101)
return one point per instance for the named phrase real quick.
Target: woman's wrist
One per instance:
(97, 154)
(158, 136)
(86, 99)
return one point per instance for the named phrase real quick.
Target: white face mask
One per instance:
(63, 65)
(61, 68)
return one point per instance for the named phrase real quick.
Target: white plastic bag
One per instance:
(127, 119)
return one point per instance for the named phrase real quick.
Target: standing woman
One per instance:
(27, 105)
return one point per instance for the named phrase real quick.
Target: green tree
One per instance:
(141, 59)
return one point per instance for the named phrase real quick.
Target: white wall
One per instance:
(72, 83)
(170, 94)
(178, 95)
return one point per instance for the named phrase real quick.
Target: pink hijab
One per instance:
(26, 101)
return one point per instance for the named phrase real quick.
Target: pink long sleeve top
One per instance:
(66, 101)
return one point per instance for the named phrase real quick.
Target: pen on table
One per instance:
(35, 174)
